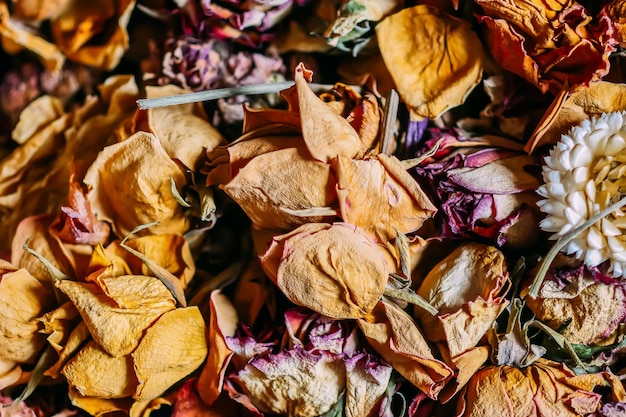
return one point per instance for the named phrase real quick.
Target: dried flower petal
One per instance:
(171, 349)
(118, 314)
(380, 196)
(94, 372)
(554, 45)
(467, 288)
(335, 270)
(446, 58)
(182, 130)
(396, 338)
(294, 382)
(143, 166)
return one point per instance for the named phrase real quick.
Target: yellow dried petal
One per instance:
(22, 300)
(95, 373)
(589, 317)
(286, 179)
(467, 288)
(336, 270)
(118, 314)
(183, 130)
(380, 196)
(171, 349)
(130, 186)
(326, 134)
(445, 58)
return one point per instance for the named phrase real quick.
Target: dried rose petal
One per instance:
(554, 45)
(446, 58)
(335, 270)
(294, 382)
(396, 338)
(545, 388)
(380, 196)
(468, 289)
(130, 186)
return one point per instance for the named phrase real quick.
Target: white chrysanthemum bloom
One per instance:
(584, 171)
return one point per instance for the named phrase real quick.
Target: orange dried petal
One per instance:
(183, 130)
(396, 338)
(446, 58)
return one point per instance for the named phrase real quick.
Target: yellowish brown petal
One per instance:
(118, 314)
(467, 288)
(284, 179)
(380, 196)
(171, 349)
(223, 323)
(183, 130)
(445, 58)
(325, 132)
(95, 373)
(130, 186)
(336, 270)
(396, 337)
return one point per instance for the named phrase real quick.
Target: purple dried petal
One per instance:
(613, 410)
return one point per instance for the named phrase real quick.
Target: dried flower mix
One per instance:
(419, 214)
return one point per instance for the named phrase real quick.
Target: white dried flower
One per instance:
(584, 172)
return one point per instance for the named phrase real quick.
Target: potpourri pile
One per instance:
(428, 220)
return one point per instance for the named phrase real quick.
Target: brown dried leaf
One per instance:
(568, 110)
(75, 341)
(396, 338)
(130, 186)
(335, 270)
(118, 313)
(183, 130)
(446, 58)
(171, 349)
(468, 289)
(95, 373)
(380, 196)
(97, 406)
(223, 323)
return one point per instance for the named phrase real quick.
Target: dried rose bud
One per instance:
(333, 269)
(250, 23)
(484, 188)
(554, 45)
(542, 389)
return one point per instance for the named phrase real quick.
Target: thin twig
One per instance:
(150, 103)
